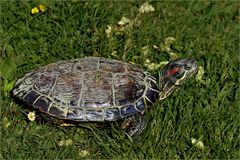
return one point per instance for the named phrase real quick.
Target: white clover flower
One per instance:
(84, 153)
(146, 8)
(31, 116)
(65, 142)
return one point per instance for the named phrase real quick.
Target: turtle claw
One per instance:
(134, 125)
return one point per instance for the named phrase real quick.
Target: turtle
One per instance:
(96, 89)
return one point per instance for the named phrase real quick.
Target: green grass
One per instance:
(207, 31)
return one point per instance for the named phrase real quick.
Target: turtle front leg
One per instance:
(134, 125)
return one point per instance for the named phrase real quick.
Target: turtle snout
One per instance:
(192, 65)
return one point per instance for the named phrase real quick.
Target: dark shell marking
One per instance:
(88, 89)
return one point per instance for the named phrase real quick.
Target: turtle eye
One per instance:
(188, 66)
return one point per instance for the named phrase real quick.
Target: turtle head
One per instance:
(174, 74)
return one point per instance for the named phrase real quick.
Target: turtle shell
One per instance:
(88, 89)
